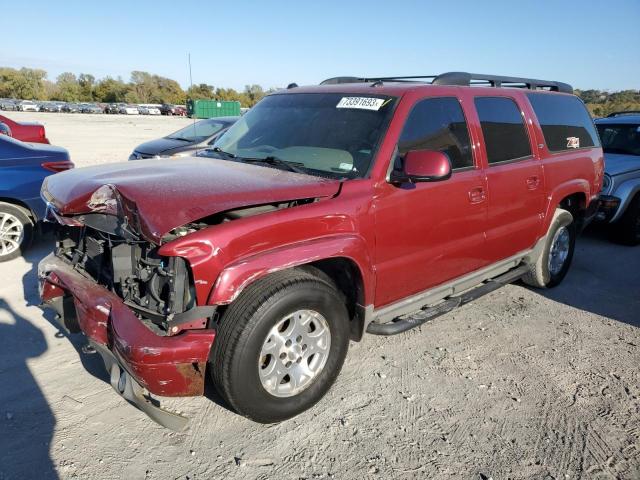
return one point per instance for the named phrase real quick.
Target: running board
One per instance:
(427, 313)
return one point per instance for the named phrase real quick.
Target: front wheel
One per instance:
(16, 231)
(280, 346)
(554, 260)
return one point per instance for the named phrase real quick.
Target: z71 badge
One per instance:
(573, 142)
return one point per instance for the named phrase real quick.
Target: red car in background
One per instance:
(30, 132)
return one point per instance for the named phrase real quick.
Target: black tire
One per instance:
(627, 230)
(7, 209)
(540, 275)
(244, 327)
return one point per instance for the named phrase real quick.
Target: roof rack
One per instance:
(628, 112)
(462, 79)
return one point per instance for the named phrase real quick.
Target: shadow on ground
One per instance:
(604, 279)
(27, 422)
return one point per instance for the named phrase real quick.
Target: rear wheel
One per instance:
(280, 346)
(554, 261)
(16, 231)
(627, 230)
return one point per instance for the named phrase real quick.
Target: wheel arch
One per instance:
(20, 204)
(344, 260)
(627, 192)
(573, 196)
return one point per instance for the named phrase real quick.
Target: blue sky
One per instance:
(590, 44)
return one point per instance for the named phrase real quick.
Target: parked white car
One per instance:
(153, 110)
(129, 110)
(27, 106)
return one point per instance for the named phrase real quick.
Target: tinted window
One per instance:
(622, 138)
(438, 124)
(563, 120)
(505, 137)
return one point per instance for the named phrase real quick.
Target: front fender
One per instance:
(626, 191)
(234, 278)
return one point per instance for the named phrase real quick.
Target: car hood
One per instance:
(155, 147)
(157, 196)
(617, 164)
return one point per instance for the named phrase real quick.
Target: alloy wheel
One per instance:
(11, 233)
(294, 353)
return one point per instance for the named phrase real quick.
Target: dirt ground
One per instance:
(518, 384)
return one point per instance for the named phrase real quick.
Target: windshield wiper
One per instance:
(275, 161)
(219, 150)
(181, 139)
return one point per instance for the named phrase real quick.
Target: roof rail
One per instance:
(628, 112)
(462, 79)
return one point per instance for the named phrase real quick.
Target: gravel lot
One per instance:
(519, 384)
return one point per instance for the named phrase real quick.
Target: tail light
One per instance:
(41, 133)
(58, 166)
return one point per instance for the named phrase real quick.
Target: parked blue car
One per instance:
(23, 167)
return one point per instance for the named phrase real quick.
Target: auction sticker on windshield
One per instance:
(365, 103)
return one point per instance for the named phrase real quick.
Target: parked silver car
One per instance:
(620, 198)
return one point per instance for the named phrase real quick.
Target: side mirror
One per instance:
(423, 166)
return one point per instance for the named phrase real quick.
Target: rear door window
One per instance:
(565, 121)
(505, 136)
(438, 124)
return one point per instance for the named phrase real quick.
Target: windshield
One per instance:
(198, 131)
(622, 138)
(331, 134)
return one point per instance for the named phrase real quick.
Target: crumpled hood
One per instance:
(166, 194)
(617, 164)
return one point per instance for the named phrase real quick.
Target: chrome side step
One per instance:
(427, 313)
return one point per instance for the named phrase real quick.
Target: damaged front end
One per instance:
(137, 308)
(107, 246)
(106, 278)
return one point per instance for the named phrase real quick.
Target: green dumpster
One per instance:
(212, 108)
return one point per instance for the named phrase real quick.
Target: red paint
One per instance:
(170, 193)
(402, 239)
(159, 363)
(427, 164)
(26, 131)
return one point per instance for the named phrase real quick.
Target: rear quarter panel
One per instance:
(21, 179)
(566, 172)
(25, 132)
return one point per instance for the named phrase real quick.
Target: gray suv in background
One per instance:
(620, 198)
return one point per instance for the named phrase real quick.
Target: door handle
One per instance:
(533, 182)
(477, 195)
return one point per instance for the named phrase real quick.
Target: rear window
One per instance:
(503, 129)
(565, 121)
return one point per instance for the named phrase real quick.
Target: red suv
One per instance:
(360, 205)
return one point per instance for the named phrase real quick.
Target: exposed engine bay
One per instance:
(160, 290)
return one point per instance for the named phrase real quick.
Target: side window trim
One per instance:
(474, 155)
(525, 125)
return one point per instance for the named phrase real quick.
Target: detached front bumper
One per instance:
(135, 356)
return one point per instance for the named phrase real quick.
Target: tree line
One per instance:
(142, 87)
(602, 103)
